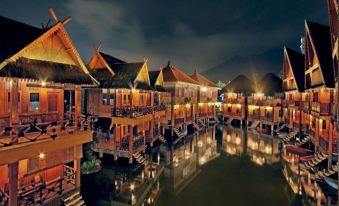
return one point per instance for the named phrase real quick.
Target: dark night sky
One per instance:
(192, 34)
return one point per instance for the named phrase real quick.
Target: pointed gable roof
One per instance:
(321, 42)
(202, 80)
(297, 64)
(172, 74)
(110, 60)
(240, 84)
(118, 73)
(154, 78)
(15, 36)
(18, 39)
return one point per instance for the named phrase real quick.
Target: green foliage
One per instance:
(90, 161)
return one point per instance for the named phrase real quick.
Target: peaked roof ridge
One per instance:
(16, 35)
(321, 39)
(202, 79)
(173, 74)
(297, 63)
(111, 59)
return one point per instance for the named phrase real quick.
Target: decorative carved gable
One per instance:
(53, 48)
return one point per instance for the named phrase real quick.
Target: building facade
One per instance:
(41, 80)
(130, 109)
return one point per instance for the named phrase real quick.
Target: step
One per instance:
(71, 196)
(73, 201)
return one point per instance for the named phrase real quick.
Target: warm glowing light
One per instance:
(228, 138)
(132, 187)
(229, 105)
(199, 143)
(209, 140)
(204, 89)
(237, 140)
(43, 83)
(41, 155)
(238, 106)
(188, 105)
(133, 90)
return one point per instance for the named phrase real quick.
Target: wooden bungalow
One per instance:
(182, 103)
(293, 87)
(41, 79)
(264, 106)
(333, 7)
(234, 106)
(207, 98)
(319, 84)
(129, 111)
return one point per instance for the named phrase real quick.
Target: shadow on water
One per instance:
(219, 166)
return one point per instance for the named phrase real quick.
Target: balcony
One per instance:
(160, 107)
(321, 108)
(131, 112)
(39, 191)
(34, 129)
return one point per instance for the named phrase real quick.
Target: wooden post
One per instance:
(14, 102)
(13, 172)
(151, 132)
(77, 172)
(130, 143)
(172, 114)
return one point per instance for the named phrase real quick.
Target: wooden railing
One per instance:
(131, 112)
(39, 192)
(34, 130)
(321, 108)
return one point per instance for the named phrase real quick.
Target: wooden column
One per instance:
(151, 133)
(13, 172)
(77, 173)
(130, 143)
(14, 102)
(172, 114)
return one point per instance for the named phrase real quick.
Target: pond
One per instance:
(218, 166)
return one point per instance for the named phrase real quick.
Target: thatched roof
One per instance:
(46, 71)
(270, 84)
(110, 60)
(172, 74)
(240, 84)
(124, 76)
(15, 36)
(321, 40)
(202, 80)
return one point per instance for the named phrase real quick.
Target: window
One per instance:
(104, 98)
(111, 99)
(34, 102)
(324, 124)
(125, 99)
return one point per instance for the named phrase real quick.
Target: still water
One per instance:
(217, 166)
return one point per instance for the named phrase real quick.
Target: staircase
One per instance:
(139, 158)
(201, 122)
(280, 128)
(178, 133)
(229, 121)
(196, 126)
(74, 199)
(254, 124)
(162, 139)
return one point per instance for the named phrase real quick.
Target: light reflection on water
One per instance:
(219, 166)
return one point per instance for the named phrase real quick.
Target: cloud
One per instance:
(196, 36)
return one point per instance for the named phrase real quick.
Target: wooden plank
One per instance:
(16, 153)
